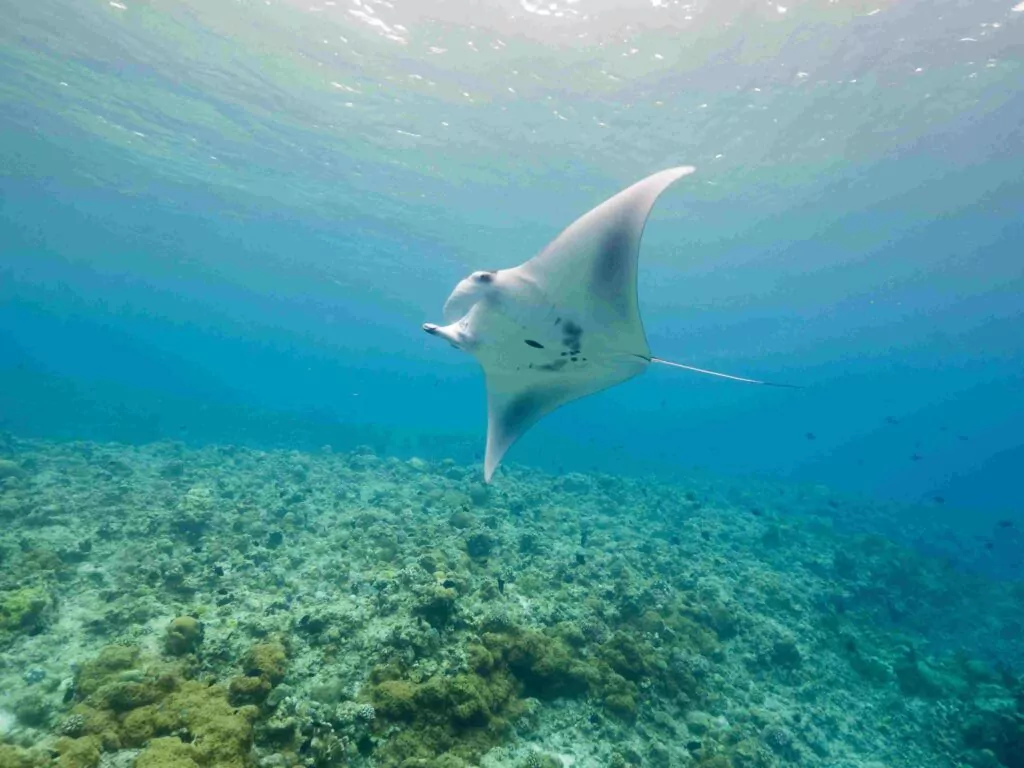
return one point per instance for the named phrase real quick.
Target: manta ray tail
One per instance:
(722, 375)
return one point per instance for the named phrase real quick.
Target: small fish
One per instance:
(891, 420)
(962, 437)
(1005, 524)
(810, 436)
(916, 457)
(939, 500)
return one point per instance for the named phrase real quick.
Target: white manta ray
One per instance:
(563, 325)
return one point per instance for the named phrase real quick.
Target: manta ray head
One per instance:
(468, 293)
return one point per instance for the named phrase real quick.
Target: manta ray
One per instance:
(564, 324)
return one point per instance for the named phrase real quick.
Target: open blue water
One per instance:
(226, 222)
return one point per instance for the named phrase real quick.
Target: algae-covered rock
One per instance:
(545, 665)
(437, 606)
(395, 699)
(245, 689)
(127, 700)
(83, 752)
(183, 635)
(112, 660)
(168, 752)
(630, 656)
(446, 719)
(15, 757)
(24, 611)
(221, 734)
(117, 680)
(269, 660)
(264, 666)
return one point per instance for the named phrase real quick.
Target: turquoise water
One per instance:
(242, 523)
(225, 222)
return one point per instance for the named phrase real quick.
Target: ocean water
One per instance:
(222, 225)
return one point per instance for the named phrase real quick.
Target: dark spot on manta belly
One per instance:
(556, 365)
(534, 344)
(571, 334)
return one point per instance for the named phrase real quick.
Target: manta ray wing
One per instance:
(518, 399)
(591, 266)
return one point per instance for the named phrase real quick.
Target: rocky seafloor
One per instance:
(168, 607)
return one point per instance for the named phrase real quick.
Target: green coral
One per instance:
(264, 665)
(15, 757)
(267, 660)
(83, 752)
(23, 611)
(183, 635)
(543, 664)
(447, 720)
(630, 657)
(126, 700)
(437, 607)
(168, 752)
(547, 667)
(248, 690)
(105, 668)
(462, 715)
(115, 682)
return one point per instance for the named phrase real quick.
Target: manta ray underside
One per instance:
(564, 324)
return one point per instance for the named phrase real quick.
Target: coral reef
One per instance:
(250, 609)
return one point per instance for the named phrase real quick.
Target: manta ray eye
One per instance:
(485, 277)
